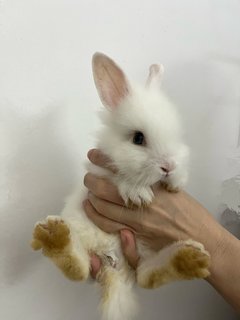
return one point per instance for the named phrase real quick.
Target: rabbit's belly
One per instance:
(93, 238)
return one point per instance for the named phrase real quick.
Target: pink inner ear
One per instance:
(114, 86)
(110, 81)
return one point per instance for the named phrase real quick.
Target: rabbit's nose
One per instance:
(166, 170)
(168, 167)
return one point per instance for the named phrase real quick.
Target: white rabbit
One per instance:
(142, 136)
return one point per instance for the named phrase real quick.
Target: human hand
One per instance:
(170, 217)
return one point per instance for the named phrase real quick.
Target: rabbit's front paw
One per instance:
(176, 181)
(132, 196)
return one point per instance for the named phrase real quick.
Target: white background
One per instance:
(47, 113)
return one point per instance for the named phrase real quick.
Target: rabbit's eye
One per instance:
(138, 138)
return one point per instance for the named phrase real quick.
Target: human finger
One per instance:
(116, 212)
(101, 160)
(102, 188)
(100, 221)
(129, 248)
(95, 265)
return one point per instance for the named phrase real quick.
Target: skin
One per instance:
(170, 217)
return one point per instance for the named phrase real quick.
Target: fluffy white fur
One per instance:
(149, 111)
(129, 109)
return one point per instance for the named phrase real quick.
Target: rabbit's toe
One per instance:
(52, 235)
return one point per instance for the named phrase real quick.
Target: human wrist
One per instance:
(214, 237)
(202, 227)
(206, 230)
(226, 248)
(224, 271)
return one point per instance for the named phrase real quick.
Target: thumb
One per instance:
(95, 265)
(129, 247)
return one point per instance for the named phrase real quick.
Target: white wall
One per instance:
(47, 105)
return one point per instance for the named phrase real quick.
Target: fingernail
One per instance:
(90, 153)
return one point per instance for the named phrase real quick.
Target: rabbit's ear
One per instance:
(110, 80)
(155, 76)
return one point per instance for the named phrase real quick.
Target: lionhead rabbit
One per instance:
(142, 136)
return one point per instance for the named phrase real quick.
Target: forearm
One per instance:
(225, 268)
(171, 216)
(223, 247)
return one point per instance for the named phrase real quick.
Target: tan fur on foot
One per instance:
(191, 263)
(157, 278)
(70, 266)
(188, 263)
(52, 235)
(106, 278)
